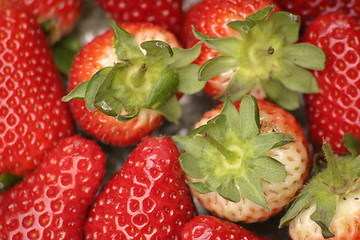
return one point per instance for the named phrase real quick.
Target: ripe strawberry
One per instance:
(52, 202)
(328, 206)
(256, 54)
(335, 110)
(58, 17)
(147, 198)
(32, 116)
(118, 81)
(309, 10)
(209, 227)
(166, 13)
(248, 166)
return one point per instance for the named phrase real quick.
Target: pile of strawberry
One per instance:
(264, 97)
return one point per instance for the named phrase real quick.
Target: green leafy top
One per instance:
(228, 155)
(146, 75)
(327, 187)
(265, 52)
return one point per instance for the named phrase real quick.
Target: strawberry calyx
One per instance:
(145, 75)
(265, 51)
(230, 156)
(325, 189)
(7, 180)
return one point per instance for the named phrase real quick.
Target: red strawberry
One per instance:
(328, 206)
(245, 167)
(257, 54)
(32, 116)
(336, 109)
(58, 17)
(166, 13)
(309, 10)
(147, 198)
(52, 202)
(212, 228)
(139, 82)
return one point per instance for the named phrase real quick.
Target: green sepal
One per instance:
(268, 168)
(352, 143)
(125, 44)
(286, 25)
(251, 21)
(238, 86)
(185, 56)
(228, 189)
(104, 75)
(170, 109)
(188, 79)
(280, 95)
(192, 166)
(301, 202)
(77, 93)
(226, 45)
(197, 146)
(157, 49)
(296, 78)
(265, 142)
(216, 66)
(251, 187)
(305, 55)
(325, 210)
(200, 187)
(7, 180)
(249, 117)
(163, 89)
(103, 95)
(64, 52)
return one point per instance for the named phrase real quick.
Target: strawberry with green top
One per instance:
(126, 80)
(248, 165)
(328, 207)
(262, 58)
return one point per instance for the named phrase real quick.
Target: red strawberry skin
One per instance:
(210, 17)
(309, 10)
(52, 202)
(336, 109)
(96, 55)
(167, 13)
(64, 12)
(208, 227)
(32, 116)
(147, 199)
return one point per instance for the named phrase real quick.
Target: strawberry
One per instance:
(58, 17)
(52, 202)
(209, 227)
(335, 110)
(32, 116)
(245, 166)
(147, 198)
(328, 206)
(309, 10)
(130, 81)
(166, 13)
(257, 54)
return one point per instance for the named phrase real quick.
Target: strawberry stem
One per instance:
(232, 157)
(138, 77)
